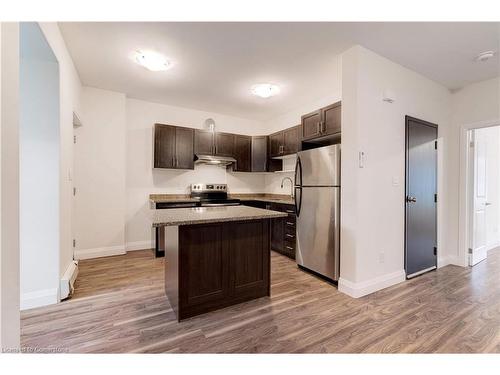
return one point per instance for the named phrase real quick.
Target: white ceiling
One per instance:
(216, 63)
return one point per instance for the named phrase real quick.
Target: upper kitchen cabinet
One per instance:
(243, 153)
(311, 125)
(204, 142)
(285, 142)
(259, 154)
(173, 147)
(207, 142)
(224, 144)
(291, 140)
(323, 122)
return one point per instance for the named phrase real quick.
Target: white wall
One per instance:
(372, 216)
(69, 89)
(39, 169)
(9, 187)
(100, 201)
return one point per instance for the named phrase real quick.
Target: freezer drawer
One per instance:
(318, 231)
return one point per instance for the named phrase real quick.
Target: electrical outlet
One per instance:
(381, 257)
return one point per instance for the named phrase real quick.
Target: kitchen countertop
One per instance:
(203, 215)
(180, 198)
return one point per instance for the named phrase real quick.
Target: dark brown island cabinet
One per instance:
(173, 147)
(213, 265)
(322, 123)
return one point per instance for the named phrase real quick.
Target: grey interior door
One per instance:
(421, 198)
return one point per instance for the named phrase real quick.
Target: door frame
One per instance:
(465, 190)
(436, 127)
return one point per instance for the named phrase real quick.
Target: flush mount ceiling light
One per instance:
(265, 90)
(152, 60)
(485, 56)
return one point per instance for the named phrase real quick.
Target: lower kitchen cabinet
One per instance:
(283, 230)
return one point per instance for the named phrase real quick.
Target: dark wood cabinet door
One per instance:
(276, 144)
(205, 274)
(331, 116)
(203, 142)
(164, 146)
(248, 249)
(311, 125)
(259, 154)
(224, 144)
(291, 140)
(242, 153)
(184, 148)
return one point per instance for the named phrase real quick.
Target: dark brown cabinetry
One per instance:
(173, 147)
(283, 230)
(212, 143)
(243, 153)
(285, 142)
(204, 142)
(217, 265)
(321, 123)
(259, 154)
(224, 144)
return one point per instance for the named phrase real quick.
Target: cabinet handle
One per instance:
(290, 211)
(318, 127)
(289, 223)
(289, 248)
(323, 127)
(290, 235)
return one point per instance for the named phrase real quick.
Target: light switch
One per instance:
(361, 158)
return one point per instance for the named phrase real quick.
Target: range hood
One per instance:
(222, 161)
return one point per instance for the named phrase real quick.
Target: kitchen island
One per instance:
(215, 256)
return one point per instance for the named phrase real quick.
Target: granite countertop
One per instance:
(273, 198)
(180, 198)
(202, 215)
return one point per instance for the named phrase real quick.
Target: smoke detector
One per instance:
(485, 56)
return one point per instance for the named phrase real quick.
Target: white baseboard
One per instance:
(99, 252)
(364, 288)
(39, 298)
(67, 282)
(139, 245)
(492, 246)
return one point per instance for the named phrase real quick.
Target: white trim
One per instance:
(68, 280)
(463, 213)
(446, 260)
(363, 288)
(492, 246)
(139, 245)
(100, 252)
(39, 298)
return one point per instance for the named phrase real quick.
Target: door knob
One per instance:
(487, 204)
(411, 199)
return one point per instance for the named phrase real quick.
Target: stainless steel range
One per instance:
(211, 195)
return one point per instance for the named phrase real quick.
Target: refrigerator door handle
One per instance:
(298, 200)
(298, 172)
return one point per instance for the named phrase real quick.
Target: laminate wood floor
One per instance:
(119, 306)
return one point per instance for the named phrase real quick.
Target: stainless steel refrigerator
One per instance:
(317, 205)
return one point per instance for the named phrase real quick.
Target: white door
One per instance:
(479, 203)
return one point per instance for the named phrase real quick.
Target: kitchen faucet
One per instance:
(291, 184)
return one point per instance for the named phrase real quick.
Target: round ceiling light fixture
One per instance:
(485, 56)
(152, 60)
(265, 90)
